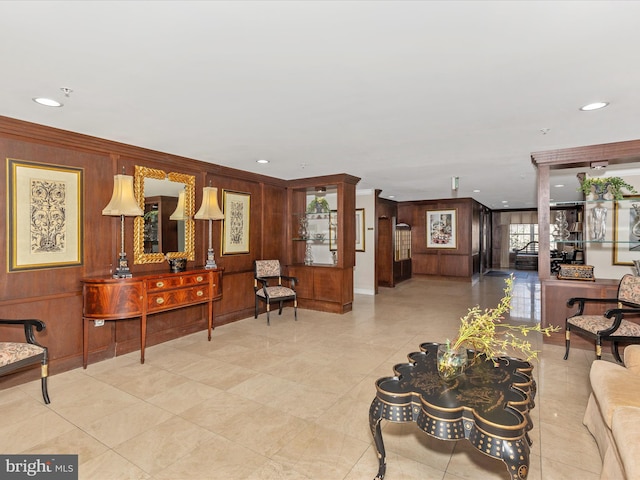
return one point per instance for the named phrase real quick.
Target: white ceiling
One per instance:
(404, 95)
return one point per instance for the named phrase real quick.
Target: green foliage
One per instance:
(600, 184)
(484, 332)
(318, 205)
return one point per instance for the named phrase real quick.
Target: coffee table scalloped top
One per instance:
(496, 397)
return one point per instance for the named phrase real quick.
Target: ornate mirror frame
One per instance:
(139, 257)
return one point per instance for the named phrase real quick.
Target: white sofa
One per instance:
(613, 415)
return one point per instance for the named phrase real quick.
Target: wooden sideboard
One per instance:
(107, 298)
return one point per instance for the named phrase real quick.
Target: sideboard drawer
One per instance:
(167, 283)
(177, 298)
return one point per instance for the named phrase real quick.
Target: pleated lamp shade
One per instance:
(209, 210)
(123, 201)
(179, 213)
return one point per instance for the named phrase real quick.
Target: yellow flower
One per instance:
(484, 332)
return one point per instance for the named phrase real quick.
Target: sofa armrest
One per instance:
(632, 358)
(625, 427)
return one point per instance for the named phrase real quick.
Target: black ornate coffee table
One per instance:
(488, 405)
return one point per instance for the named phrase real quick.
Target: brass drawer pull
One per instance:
(159, 300)
(159, 284)
(199, 293)
(199, 278)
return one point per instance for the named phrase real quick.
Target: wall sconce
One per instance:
(209, 210)
(122, 203)
(179, 212)
(455, 182)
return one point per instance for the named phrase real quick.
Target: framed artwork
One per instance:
(44, 222)
(333, 230)
(235, 229)
(360, 229)
(626, 230)
(442, 229)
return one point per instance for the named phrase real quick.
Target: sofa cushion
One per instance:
(613, 386)
(626, 433)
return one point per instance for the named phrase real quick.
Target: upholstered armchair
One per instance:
(17, 355)
(611, 325)
(269, 289)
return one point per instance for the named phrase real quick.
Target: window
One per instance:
(522, 233)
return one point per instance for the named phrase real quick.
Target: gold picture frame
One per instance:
(45, 216)
(235, 227)
(360, 230)
(626, 245)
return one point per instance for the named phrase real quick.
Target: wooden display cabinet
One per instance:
(321, 240)
(555, 293)
(402, 253)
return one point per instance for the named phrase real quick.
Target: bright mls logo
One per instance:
(39, 467)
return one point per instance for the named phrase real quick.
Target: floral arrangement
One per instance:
(318, 205)
(484, 332)
(603, 185)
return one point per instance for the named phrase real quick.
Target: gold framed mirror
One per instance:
(167, 230)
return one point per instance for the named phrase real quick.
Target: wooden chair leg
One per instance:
(43, 381)
(256, 311)
(616, 352)
(567, 342)
(280, 311)
(268, 308)
(598, 348)
(295, 309)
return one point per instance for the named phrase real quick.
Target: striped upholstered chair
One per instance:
(17, 355)
(269, 288)
(613, 325)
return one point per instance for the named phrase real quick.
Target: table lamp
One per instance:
(209, 210)
(122, 203)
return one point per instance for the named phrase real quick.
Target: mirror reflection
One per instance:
(164, 217)
(167, 228)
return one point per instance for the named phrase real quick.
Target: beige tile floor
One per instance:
(291, 401)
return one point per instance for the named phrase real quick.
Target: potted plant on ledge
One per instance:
(483, 332)
(605, 188)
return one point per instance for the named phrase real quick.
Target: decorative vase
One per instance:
(561, 226)
(177, 264)
(308, 255)
(303, 229)
(451, 363)
(598, 226)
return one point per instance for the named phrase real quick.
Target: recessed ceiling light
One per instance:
(594, 106)
(559, 185)
(476, 191)
(48, 102)
(392, 196)
(505, 201)
(262, 160)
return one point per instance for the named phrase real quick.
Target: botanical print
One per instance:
(235, 234)
(44, 221)
(236, 225)
(48, 216)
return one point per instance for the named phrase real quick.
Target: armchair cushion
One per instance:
(597, 323)
(16, 355)
(276, 292)
(11, 352)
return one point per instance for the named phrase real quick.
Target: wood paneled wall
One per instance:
(54, 295)
(462, 261)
